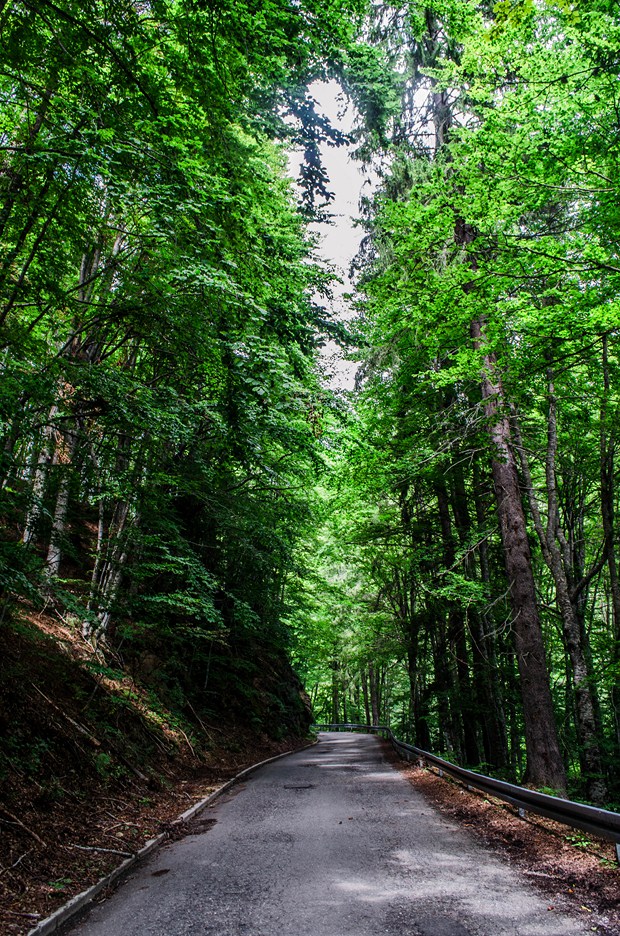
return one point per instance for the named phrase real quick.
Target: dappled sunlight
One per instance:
(302, 466)
(389, 776)
(338, 765)
(367, 890)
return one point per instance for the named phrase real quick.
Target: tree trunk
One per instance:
(64, 456)
(335, 693)
(585, 709)
(39, 480)
(496, 747)
(450, 727)
(364, 680)
(544, 761)
(457, 640)
(111, 569)
(607, 446)
(374, 693)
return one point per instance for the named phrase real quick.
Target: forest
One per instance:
(182, 488)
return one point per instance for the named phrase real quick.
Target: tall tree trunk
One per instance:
(585, 709)
(356, 700)
(450, 726)
(364, 680)
(374, 693)
(544, 761)
(94, 578)
(412, 638)
(457, 642)
(475, 691)
(335, 666)
(65, 449)
(111, 570)
(607, 451)
(495, 716)
(39, 480)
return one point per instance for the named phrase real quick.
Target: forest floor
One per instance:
(92, 766)
(576, 872)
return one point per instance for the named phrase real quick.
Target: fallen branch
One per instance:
(80, 728)
(24, 827)
(157, 740)
(124, 822)
(14, 865)
(98, 848)
(137, 773)
(189, 744)
(198, 719)
(95, 741)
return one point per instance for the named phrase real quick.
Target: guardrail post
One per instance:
(618, 852)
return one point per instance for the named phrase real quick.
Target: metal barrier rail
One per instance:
(600, 822)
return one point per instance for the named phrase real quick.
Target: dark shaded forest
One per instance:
(160, 333)
(187, 506)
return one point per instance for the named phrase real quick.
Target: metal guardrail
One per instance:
(600, 822)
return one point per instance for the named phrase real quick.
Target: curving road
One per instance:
(332, 841)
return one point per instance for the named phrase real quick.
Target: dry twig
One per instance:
(98, 848)
(22, 826)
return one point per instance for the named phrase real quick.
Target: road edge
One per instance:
(61, 916)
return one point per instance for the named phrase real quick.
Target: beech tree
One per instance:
(162, 312)
(488, 326)
(437, 550)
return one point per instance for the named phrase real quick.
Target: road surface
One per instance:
(332, 841)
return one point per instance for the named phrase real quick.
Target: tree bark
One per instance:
(496, 741)
(364, 680)
(544, 761)
(374, 693)
(585, 708)
(457, 639)
(335, 666)
(63, 456)
(607, 452)
(39, 480)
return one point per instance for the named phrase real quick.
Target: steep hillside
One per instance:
(98, 753)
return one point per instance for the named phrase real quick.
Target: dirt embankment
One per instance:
(92, 766)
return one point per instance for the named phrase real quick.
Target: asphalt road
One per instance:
(332, 841)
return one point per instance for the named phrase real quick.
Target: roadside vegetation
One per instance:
(195, 530)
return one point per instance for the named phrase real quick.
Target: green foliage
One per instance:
(106, 768)
(175, 476)
(497, 208)
(161, 319)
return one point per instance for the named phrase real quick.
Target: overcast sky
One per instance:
(340, 240)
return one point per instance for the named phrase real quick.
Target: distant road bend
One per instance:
(332, 841)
